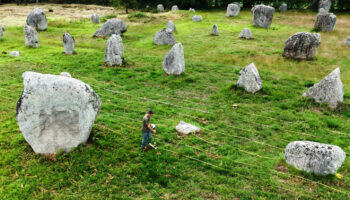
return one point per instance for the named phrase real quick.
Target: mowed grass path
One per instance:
(239, 155)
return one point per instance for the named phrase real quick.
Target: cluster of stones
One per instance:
(262, 15)
(325, 21)
(232, 10)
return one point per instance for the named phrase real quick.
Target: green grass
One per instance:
(240, 152)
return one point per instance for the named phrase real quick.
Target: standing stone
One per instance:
(56, 112)
(2, 29)
(325, 21)
(37, 19)
(249, 79)
(164, 37)
(262, 15)
(174, 61)
(325, 4)
(170, 25)
(112, 26)
(114, 51)
(192, 10)
(160, 8)
(185, 128)
(66, 74)
(197, 18)
(302, 45)
(68, 43)
(328, 90)
(318, 158)
(31, 37)
(215, 30)
(347, 42)
(283, 7)
(232, 10)
(14, 54)
(95, 18)
(246, 34)
(174, 8)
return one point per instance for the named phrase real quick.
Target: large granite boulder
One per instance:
(325, 21)
(262, 15)
(114, 51)
(318, 158)
(328, 90)
(37, 19)
(347, 42)
(197, 18)
(170, 25)
(31, 37)
(56, 113)
(192, 10)
(68, 43)
(164, 37)
(302, 45)
(174, 61)
(160, 8)
(283, 7)
(95, 18)
(232, 10)
(249, 79)
(2, 29)
(174, 8)
(246, 34)
(215, 30)
(185, 128)
(112, 26)
(325, 4)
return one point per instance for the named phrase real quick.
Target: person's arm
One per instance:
(150, 128)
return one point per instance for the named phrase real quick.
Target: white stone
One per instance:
(95, 18)
(262, 15)
(170, 25)
(215, 30)
(114, 51)
(110, 27)
(31, 37)
(174, 61)
(37, 19)
(325, 21)
(347, 42)
(68, 43)
(2, 29)
(249, 79)
(232, 10)
(197, 18)
(14, 54)
(246, 34)
(174, 8)
(325, 4)
(160, 8)
(186, 128)
(164, 37)
(66, 74)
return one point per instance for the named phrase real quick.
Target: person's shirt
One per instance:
(145, 122)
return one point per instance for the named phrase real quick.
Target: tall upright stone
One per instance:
(174, 8)
(68, 43)
(215, 30)
(325, 4)
(114, 51)
(232, 10)
(262, 15)
(110, 27)
(31, 37)
(325, 21)
(249, 79)
(37, 19)
(2, 30)
(174, 61)
(95, 18)
(170, 25)
(246, 34)
(302, 45)
(283, 7)
(328, 90)
(160, 8)
(164, 37)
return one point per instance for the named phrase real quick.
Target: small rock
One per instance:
(215, 30)
(170, 25)
(249, 79)
(347, 42)
(302, 45)
(174, 61)
(66, 74)
(110, 27)
(325, 4)
(246, 34)
(114, 51)
(164, 37)
(283, 7)
(185, 128)
(325, 21)
(95, 18)
(192, 10)
(68, 43)
(31, 37)
(262, 15)
(14, 54)
(2, 29)
(50, 10)
(235, 106)
(37, 19)
(174, 8)
(160, 8)
(232, 10)
(197, 18)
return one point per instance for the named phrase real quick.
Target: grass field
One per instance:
(240, 154)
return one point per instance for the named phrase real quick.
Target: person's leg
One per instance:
(144, 140)
(149, 138)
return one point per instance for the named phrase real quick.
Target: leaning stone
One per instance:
(192, 10)
(215, 30)
(325, 21)
(325, 4)
(95, 18)
(2, 29)
(302, 45)
(170, 25)
(14, 54)
(114, 51)
(174, 8)
(66, 74)
(283, 7)
(37, 19)
(246, 34)
(328, 90)
(249, 79)
(318, 158)
(164, 37)
(68, 43)
(197, 18)
(174, 61)
(31, 37)
(262, 15)
(160, 8)
(347, 42)
(185, 128)
(112, 26)
(232, 10)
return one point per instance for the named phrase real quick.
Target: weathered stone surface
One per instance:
(249, 79)
(14, 54)
(112, 26)
(283, 7)
(328, 90)
(192, 10)
(56, 112)
(68, 43)
(215, 30)
(185, 128)
(95, 18)
(174, 8)
(160, 8)
(262, 15)
(302, 45)
(114, 51)
(37, 19)
(347, 42)
(164, 37)
(318, 158)
(170, 25)
(66, 74)
(246, 34)
(174, 61)
(31, 37)
(325, 4)
(322, 10)
(325, 21)
(197, 18)
(2, 29)
(232, 10)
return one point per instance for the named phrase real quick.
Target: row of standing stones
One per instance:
(68, 107)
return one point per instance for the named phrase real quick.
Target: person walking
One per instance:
(146, 130)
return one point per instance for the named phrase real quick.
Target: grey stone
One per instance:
(246, 34)
(314, 157)
(283, 7)
(112, 26)
(56, 112)
(325, 4)
(232, 10)
(66, 74)
(68, 43)
(164, 37)
(174, 61)
(160, 8)
(2, 29)
(174, 8)
(197, 18)
(170, 25)
(302, 45)
(249, 79)
(95, 18)
(328, 90)
(37, 19)
(215, 30)
(31, 37)
(325, 21)
(322, 10)
(347, 42)
(262, 15)
(185, 128)
(192, 10)
(114, 51)
(14, 54)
